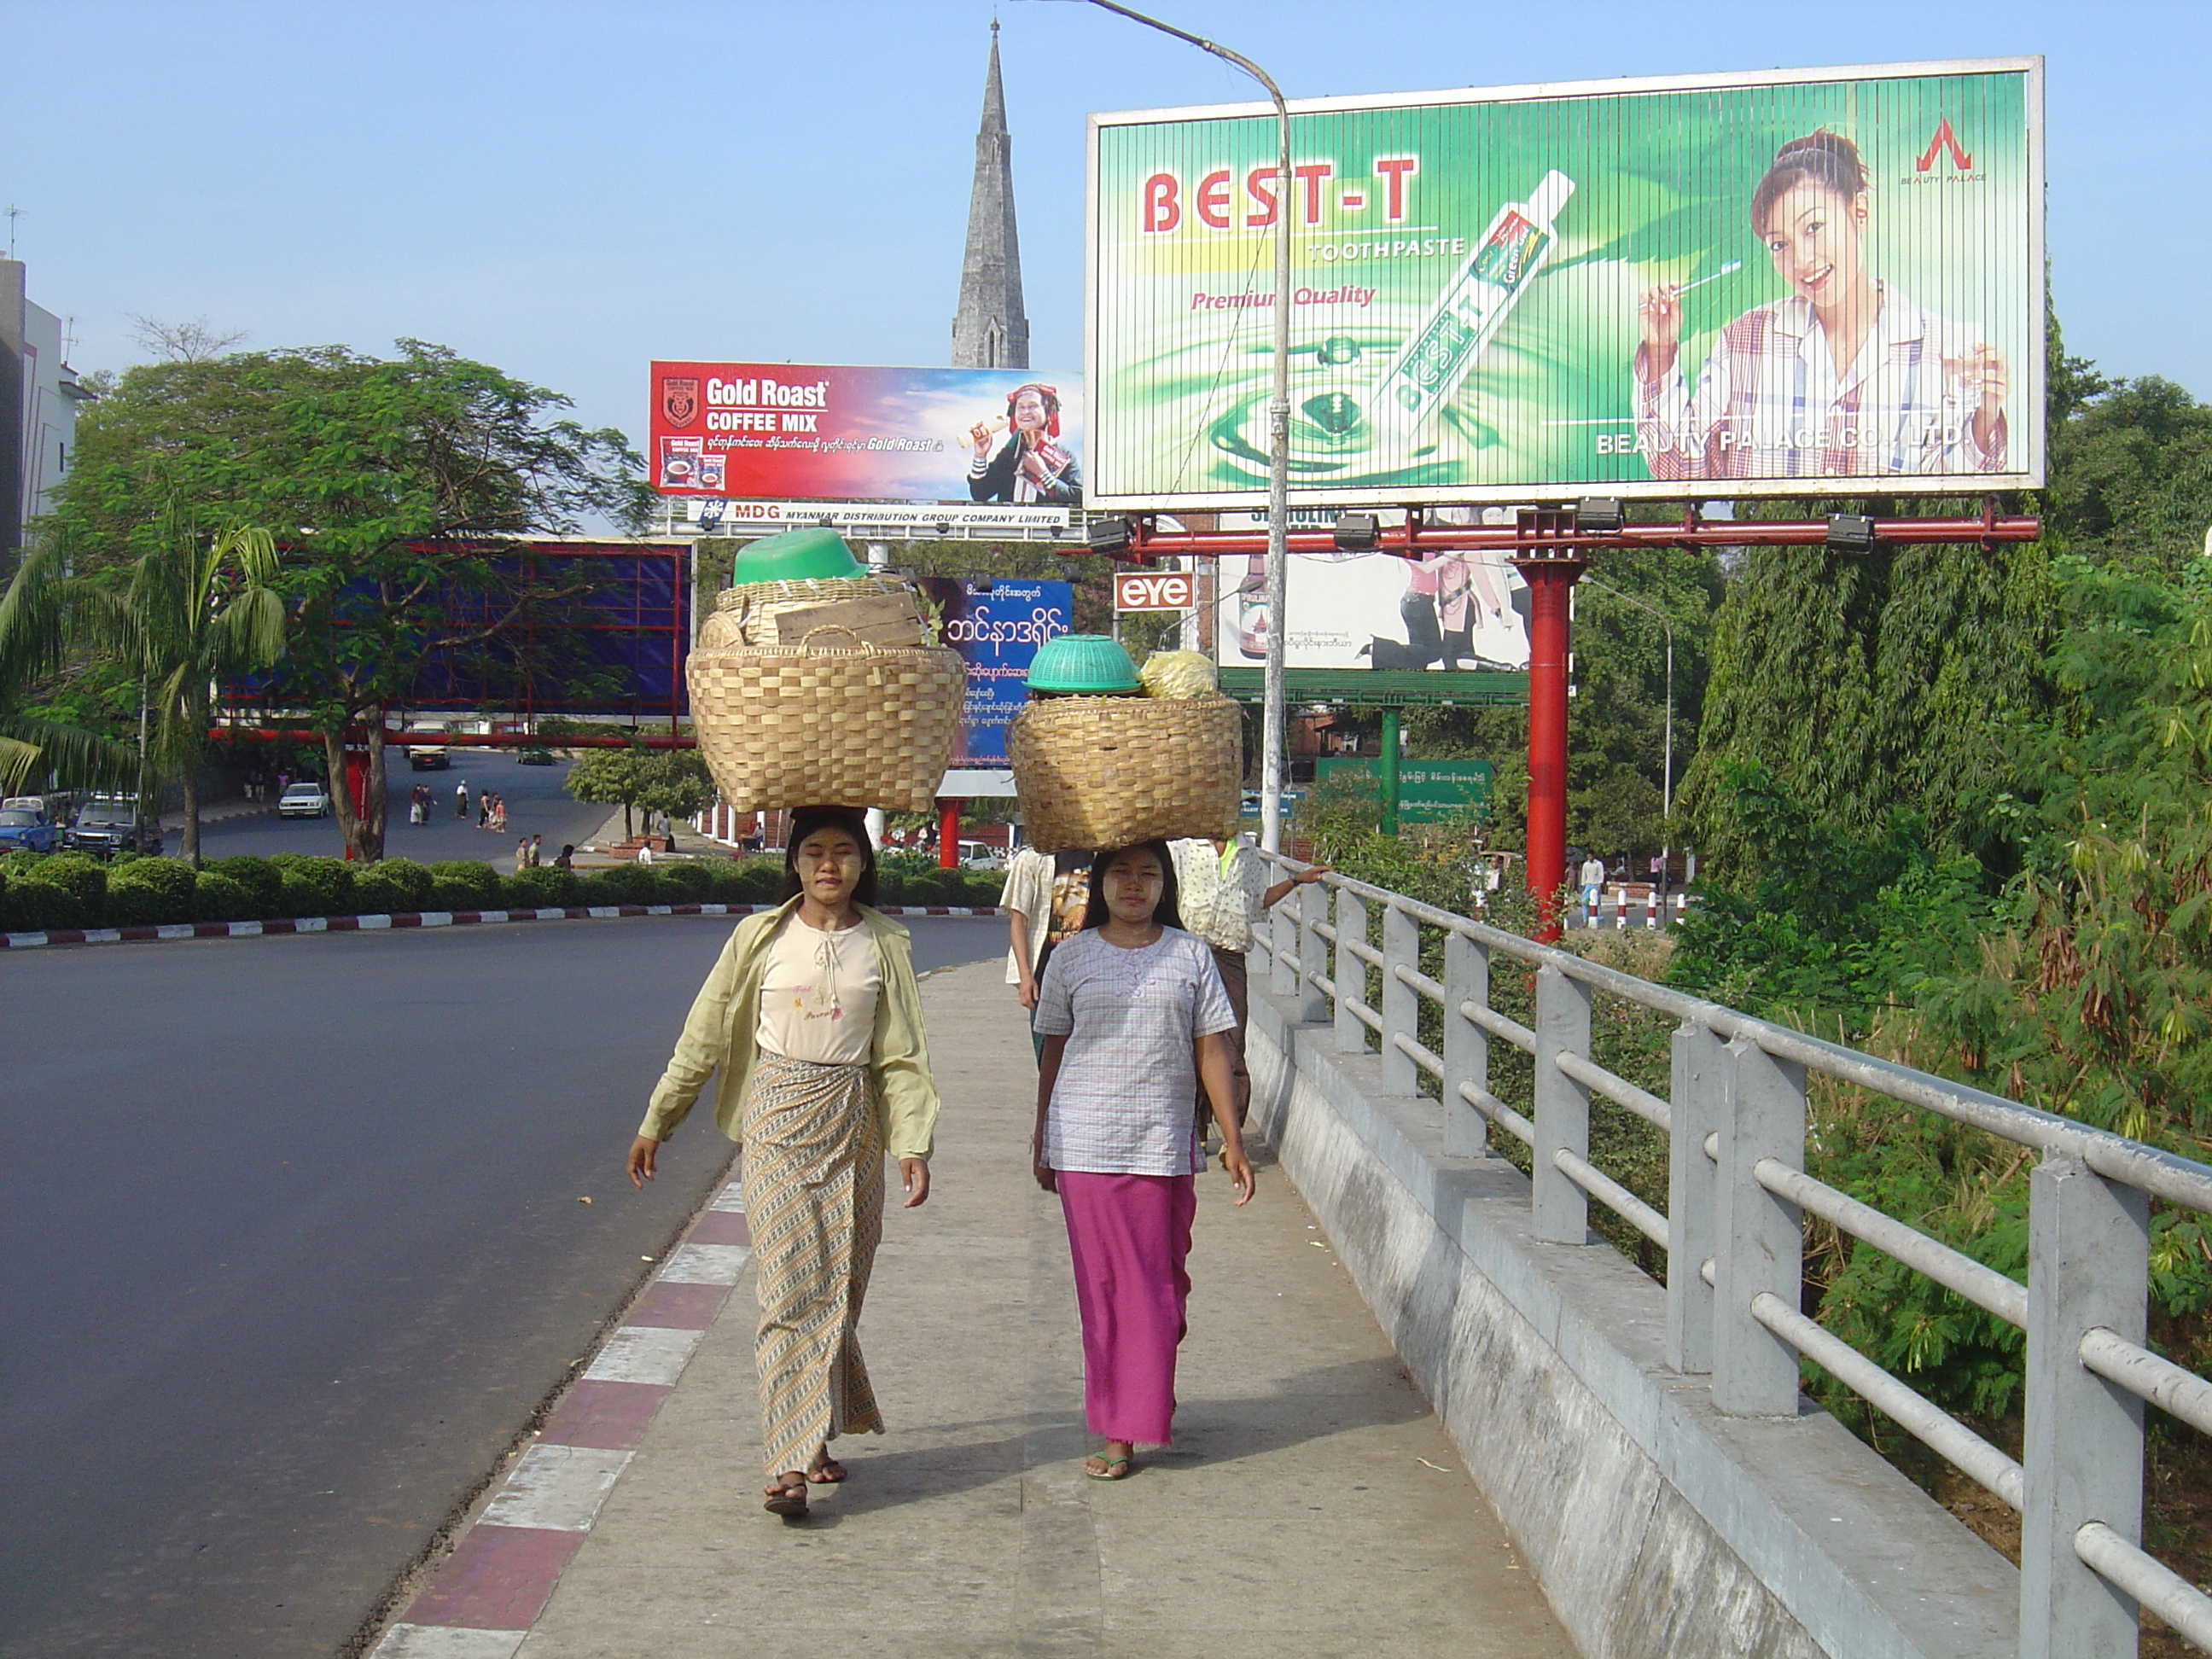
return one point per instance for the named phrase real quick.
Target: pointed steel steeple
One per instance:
(991, 329)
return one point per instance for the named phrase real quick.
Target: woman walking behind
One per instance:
(1133, 1013)
(813, 1020)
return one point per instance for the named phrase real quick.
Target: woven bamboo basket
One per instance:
(1095, 772)
(818, 725)
(746, 614)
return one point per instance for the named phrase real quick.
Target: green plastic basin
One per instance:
(811, 554)
(1083, 665)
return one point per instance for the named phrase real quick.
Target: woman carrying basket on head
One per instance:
(813, 1020)
(1133, 1013)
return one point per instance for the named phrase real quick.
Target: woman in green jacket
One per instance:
(813, 1020)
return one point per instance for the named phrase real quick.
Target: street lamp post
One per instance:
(1667, 761)
(1273, 742)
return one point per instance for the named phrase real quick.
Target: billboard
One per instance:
(1789, 283)
(1451, 610)
(996, 627)
(809, 432)
(1429, 791)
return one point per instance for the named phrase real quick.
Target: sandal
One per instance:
(1109, 1468)
(787, 1497)
(824, 1470)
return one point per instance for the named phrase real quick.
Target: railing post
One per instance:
(1283, 936)
(1350, 972)
(1313, 952)
(1400, 1007)
(1467, 1046)
(1563, 1020)
(2087, 1266)
(1760, 1243)
(1700, 1075)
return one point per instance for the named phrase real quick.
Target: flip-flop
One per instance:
(819, 1471)
(1117, 1469)
(791, 1505)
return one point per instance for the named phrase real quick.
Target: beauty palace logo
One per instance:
(1958, 161)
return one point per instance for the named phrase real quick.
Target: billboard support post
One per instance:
(1388, 821)
(948, 833)
(1273, 743)
(1551, 564)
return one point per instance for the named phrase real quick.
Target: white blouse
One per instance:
(818, 993)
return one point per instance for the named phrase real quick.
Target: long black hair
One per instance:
(809, 819)
(1095, 913)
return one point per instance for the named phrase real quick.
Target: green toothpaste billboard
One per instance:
(1824, 281)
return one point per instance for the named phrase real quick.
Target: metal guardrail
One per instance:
(1737, 1191)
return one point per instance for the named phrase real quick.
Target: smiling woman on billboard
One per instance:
(1030, 466)
(1844, 378)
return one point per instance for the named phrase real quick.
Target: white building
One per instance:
(38, 396)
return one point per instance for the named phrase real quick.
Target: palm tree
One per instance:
(34, 639)
(191, 613)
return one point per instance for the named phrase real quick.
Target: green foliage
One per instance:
(263, 882)
(151, 891)
(1818, 926)
(391, 886)
(464, 884)
(315, 886)
(1872, 686)
(28, 905)
(671, 782)
(83, 875)
(543, 887)
(2131, 474)
(631, 883)
(218, 897)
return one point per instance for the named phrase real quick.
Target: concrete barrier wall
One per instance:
(1657, 1526)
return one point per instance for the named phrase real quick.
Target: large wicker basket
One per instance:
(1096, 772)
(811, 725)
(746, 614)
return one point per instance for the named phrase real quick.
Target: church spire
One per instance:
(991, 329)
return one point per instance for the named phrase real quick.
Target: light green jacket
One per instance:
(719, 1036)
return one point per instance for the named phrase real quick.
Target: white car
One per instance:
(303, 800)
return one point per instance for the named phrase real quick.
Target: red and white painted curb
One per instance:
(418, 918)
(483, 1599)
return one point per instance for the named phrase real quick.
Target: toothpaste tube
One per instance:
(1441, 352)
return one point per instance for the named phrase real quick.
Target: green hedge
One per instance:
(42, 892)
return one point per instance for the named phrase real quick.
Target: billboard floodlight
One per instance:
(1358, 532)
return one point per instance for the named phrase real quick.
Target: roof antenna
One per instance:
(14, 213)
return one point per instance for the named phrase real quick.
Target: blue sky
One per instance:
(570, 189)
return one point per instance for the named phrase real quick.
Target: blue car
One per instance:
(21, 827)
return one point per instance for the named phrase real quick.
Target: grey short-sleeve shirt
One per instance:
(1121, 1104)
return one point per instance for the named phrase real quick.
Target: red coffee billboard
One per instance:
(823, 432)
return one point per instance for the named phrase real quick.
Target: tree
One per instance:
(200, 609)
(403, 474)
(672, 783)
(610, 777)
(34, 636)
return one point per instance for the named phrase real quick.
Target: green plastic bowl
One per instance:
(814, 555)
(1083, 665)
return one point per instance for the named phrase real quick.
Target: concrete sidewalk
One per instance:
(1311, 1506)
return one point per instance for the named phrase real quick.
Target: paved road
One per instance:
(294, 1247)
(537, 804)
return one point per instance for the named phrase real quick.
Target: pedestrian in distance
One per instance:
(812, 1018)
(522, 855)
(461, 798)
(537, 851)
(1222, 892)
(484, 810)
(499, 814)
(1046, 896)
(1134, 1014)
(567, 859)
